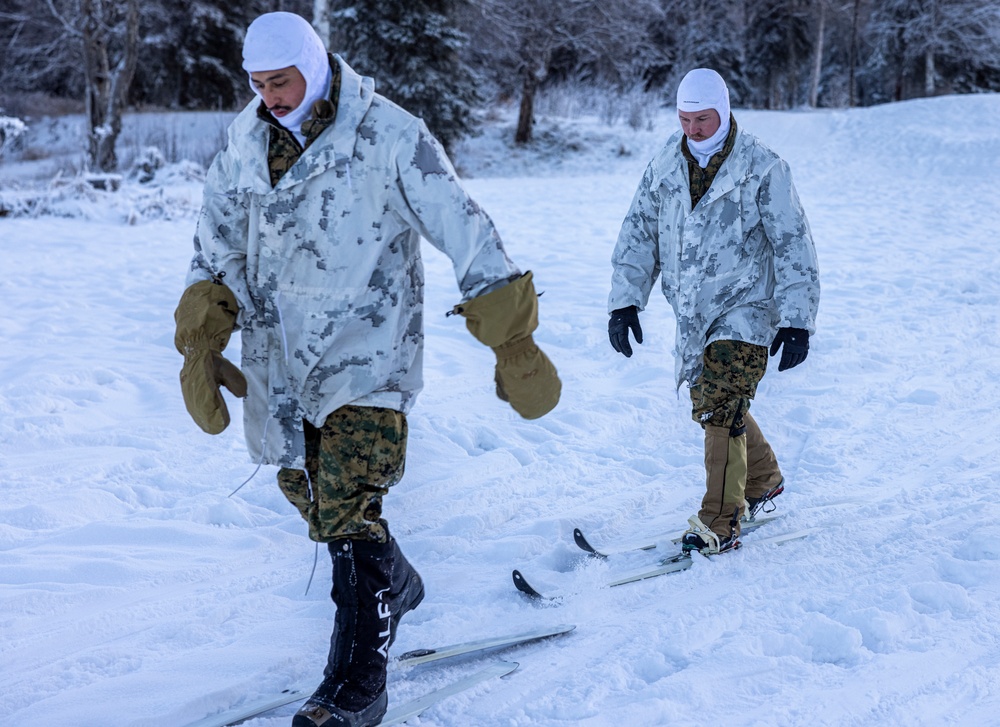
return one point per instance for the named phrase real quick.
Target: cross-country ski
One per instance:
(415, 657)
(671, 564)
(395, 715)
(652, 543)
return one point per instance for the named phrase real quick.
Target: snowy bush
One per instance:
(11, 129)
(612, 105)
(176, 194)
(148, 162)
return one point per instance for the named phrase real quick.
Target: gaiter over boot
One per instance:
(725, 482)
(353, 690)
(405, 594)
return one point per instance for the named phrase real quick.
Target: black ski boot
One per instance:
(706, 543)
(352, 694)
(699, 537)
(763, 503)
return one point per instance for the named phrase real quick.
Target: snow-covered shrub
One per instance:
(11, 129)
(175, 194)
(146, 164)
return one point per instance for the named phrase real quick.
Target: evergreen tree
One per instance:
(778, 50)
(522, 44)
(191, 56)
(694, 34)
(411, 48)
(192, 52)
(922, 47)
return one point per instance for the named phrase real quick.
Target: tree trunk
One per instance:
(106, 87)
(818, 57)
(853, 56)
(901, 61)
(526, 116)
(321, 20)
(792, 66)
(930, 74)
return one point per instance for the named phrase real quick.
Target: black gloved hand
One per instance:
(618, 327)
(796, 341)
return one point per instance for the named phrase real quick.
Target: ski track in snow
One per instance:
(135, 593)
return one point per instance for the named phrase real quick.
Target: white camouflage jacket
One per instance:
(738, 266)
(326, 264)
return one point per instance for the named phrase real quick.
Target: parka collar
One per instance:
(333, 149)
(674, 167)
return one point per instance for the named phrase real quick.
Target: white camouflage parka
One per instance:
(326, 264)
(738, 266)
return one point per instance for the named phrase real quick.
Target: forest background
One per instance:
(451, 61)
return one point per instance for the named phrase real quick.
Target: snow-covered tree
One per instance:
(695, 34)
(36, 54)
(440, 58)
(109, 33)
(191, 55)
(921, 45)
(78, 45)
(524, 39)
(777, 49)
(412, 49)
(192, 51)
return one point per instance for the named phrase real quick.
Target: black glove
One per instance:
(618, 326)
(796, 349)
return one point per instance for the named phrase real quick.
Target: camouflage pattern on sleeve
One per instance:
(636, 257)
(433, 199)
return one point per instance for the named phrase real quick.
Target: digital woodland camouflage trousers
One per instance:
(352, 461)
(739, 463)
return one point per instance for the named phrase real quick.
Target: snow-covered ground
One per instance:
(135, 592)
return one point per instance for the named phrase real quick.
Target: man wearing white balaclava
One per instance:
(700, 92)
(308, 242)
(281, 40)
(717, 217)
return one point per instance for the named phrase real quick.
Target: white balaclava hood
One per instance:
(280, 40)
(703, 89)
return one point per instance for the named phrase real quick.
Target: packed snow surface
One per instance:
(135, 592)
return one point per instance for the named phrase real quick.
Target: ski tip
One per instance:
(527, 589)
(560, 630)
(506, 668)
(581, 542)
(523, 586)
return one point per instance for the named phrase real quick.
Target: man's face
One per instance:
(281, 90)
(699, 125)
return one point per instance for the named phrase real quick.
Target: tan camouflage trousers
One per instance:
(739, 463)
(352, 461)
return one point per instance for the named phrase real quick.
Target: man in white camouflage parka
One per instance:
(308, 242)
(717, 218)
